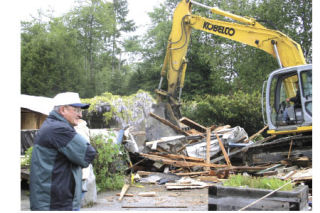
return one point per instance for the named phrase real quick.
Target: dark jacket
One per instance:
(58, 155)
(296, 99)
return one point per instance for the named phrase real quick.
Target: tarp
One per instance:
(229, 135)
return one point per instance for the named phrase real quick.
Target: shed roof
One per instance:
(40, 104)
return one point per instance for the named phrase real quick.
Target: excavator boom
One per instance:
(246, 31)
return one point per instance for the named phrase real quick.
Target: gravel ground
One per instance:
(165, 200)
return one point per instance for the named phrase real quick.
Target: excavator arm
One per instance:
(248, 31)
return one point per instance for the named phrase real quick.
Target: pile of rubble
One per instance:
(170, 155)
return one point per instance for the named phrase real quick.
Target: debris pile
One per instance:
(196, 157)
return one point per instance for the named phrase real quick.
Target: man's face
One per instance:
(71, 114)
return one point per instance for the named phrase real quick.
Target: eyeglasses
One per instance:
(76, 109)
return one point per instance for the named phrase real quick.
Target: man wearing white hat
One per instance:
(58, 155)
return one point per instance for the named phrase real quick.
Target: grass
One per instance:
(257, 182)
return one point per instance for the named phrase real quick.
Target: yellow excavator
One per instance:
(293, 76)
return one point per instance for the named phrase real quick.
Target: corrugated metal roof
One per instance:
(40, 104)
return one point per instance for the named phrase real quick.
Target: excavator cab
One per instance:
(285, 116)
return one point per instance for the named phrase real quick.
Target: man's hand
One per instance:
(288, 99)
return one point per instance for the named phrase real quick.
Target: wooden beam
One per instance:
(180, 163)
(126, 195)
(256, 134)
(147, 194)
(182, 157)
(124, 190)
(208, 147)
(168, 123)
(165, 139)
(226, 157)
(192, 173)
(149, 207)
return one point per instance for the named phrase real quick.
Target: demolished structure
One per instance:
(193, 156)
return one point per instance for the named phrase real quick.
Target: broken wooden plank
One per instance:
(244, 149)
(125, 195)
(208, 178)
(124, 190)
(243, 168)
(290, 148)
(289, 175)
(182, 157)
(192, 124)
(145, 173)
(256, 134)
(149, 207)
(219, 128)
(223, 150)
(192, 173)
(208, 147)
(168, 123)
(186, 187)
(180, 163)
(165, 139)
(147, 194)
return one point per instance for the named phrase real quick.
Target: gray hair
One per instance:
(56, 108)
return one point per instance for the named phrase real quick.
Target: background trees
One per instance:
(84, 50)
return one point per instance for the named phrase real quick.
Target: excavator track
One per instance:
(286, 148)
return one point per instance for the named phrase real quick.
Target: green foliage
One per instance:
(109, 164)
(71, 52)
(257, 182)
(26, 161)
(124, 109)
(239, 109)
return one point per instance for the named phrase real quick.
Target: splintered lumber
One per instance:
(192, 173)
(144, 173)
(172, 186)
(289, 175)
(147, 194)
(124, 190)
(180, 163)
(165, 139)
(256, 134)
(168, 123)
(290, 148)
(183, 157)
(208, 178)
(244, 149)
(126, 195)
(148, 207)
(221, 128)
(244, 168)
(223, 150)
(208, 147)
(192, 124)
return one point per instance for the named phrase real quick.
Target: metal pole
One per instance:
(277, 53)
(160, 83)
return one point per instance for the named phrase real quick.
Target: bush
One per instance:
(261, 183)
(26, 161)
(109, 164)
(239, 109)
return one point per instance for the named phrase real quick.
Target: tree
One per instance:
(50, 60)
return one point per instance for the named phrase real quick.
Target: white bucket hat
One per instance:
(69, 98)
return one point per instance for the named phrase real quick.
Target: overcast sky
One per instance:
(138, 9)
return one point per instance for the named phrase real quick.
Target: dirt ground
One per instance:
(165, 200)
